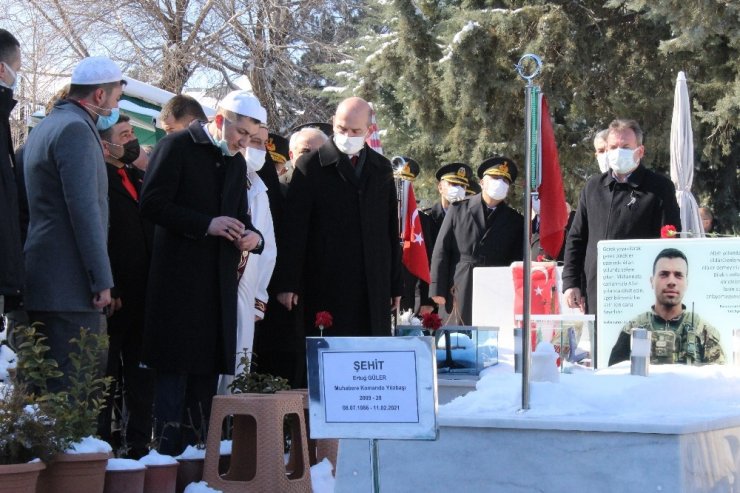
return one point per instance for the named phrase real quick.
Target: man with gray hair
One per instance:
(194, 192)
(302, 142)
(600, 149)
(627, 202)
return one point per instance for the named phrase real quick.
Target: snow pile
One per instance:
(89, 445)
(200, 487)
(225, 448)
(124, 465)
(192, 452)
(322, 480)
(672, 394)
(154, 458)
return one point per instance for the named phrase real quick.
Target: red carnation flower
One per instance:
(324, 320)
(431, 321)
(668, 231)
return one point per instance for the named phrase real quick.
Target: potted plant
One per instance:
(27, 431)
(73, 412)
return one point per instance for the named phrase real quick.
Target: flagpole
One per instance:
(531, 95)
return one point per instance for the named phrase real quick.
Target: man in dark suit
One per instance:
(195, 193)
(627, 202)
(129, 247)
(68, 274)
(482, 231)
(338, 247)
(453, 182)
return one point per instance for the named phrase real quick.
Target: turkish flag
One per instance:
(414, 250)
(553, 212)
(544, 297)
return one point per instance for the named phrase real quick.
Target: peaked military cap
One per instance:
(456, 173)
(498, 166)
(405, 168)
(277, 148)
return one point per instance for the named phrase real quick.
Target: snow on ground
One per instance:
(671, 394)
(322, 480)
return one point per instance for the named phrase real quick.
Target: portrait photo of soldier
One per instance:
(678, 335)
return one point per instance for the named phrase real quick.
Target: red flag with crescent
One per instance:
(414, 250)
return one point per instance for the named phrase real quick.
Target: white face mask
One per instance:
(497, 189)
(621, 161)
(536, 205)
(255, 158)
(455, 193)
(603, 165)
(349, 145)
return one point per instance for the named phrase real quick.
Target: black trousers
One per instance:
(131, 398)
(182, 409)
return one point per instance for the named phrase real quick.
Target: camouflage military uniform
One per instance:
(685, 339)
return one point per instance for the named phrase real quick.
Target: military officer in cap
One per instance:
(482, 231)
(452, 182)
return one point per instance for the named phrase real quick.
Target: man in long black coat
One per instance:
(195, 193)
(129, 249)
(339, 247)
(482, 231)
(627, 202)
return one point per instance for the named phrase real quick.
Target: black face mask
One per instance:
(131, 150)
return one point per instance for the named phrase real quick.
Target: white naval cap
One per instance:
(244, 103)
(96, 70)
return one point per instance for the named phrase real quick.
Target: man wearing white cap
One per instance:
(194, 192)
(69, 277)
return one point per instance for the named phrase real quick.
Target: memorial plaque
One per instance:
(372, 387)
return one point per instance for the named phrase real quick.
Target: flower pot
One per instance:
(160, 478)
(81, 473)
(124, 481)
(20, 478)
(189, 471)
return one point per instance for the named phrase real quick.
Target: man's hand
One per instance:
(226, 227)
(440, 300)
(115, 305)
(248, 242)
(396, 303)
(288, 300)
(575, 299)
(424, 309)
(101, 299)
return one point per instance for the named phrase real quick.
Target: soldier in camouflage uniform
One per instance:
(678, 336)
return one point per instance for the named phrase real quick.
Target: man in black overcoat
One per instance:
(627, 202)
(482, 231)
(453, 181)
(338, 246)
(195, 193)
(129, 249)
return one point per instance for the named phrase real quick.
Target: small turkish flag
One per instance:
(544, 285)
(414, 250)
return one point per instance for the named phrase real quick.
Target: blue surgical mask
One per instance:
(104, 122)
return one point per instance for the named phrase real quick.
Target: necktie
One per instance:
(128, 184)
(354, 161)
